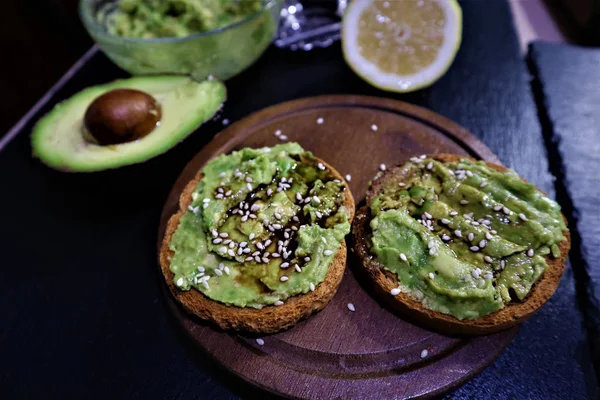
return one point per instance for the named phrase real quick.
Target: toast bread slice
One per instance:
(268, 319)
(383, 281)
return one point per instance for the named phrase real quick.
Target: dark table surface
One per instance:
(80, 301)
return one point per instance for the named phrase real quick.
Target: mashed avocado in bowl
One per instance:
(191, 37)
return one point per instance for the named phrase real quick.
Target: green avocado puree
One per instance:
(174, 18)
(462, 238)
(263, 226)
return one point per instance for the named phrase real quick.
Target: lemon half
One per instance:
(401, 45)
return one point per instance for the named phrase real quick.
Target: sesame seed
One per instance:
(219, 196)
(431, 243)
(283, 278)
(260, 341)
(471, 236)
(218, 272)
(286, 235)
(260, 246)
(382, 167)
(276, 226)
(474, 248)
(430, 165)
(217, 241)
(200, 268)
(298, 196)
(464, 202)
(475, 223)
(505, 210)
(445, 237)
(486, 222)
(265, 260)
(424, 353)
(476, 273)
(246, 250)
(488, 259)
(312, 287)
(180, 282)
(307, 200)
(395, 291)
(255, 208)
(283, 138)
(284, 265)
(483, 184)
(277, 132)
(244, 218)
(231, 253)
(351, 307)
(269, 192)
(205, 284)
(249, 186)
(317, 200)
(224, 234)
(488, 236)
(483, 243)
(297, 268)
(431, 275)
(295, 218)
(422, 156)
(277, 215)
(488, 275)
(328, 252)
(278, 303)
(226, 270)
(374, 128)
(220, 190)
(458, 233)
(348, 177)
(222, 249)
(403, 257)
(231, 244)
(445, 221)
(251, 236)
(454, 213)
(498, 207)
(523, 217)
(469, 173)
(306, 259)
(494, 232)
(530, 253)
(320, 121)
(321, 166)
(318, 214)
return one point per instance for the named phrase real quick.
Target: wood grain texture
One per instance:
(370, 353)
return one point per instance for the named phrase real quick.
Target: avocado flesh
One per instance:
(462, 238)
(59, 141)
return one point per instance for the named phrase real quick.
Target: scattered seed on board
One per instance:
(374, 128)
(348, 177)
(351, 307)
(320, 121)
(382, 167)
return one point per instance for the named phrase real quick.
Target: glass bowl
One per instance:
(222, 53)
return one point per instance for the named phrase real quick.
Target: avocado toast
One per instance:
(258, 241)
(460, 246)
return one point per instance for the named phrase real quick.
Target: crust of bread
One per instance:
(383, 281)
(268, 319)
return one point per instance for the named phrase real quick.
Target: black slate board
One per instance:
(79, 294)
(568, 82)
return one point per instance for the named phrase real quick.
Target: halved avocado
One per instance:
(61, 141)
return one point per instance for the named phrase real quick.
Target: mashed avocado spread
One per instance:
(167, 18)
(263, 225)
(462, 238)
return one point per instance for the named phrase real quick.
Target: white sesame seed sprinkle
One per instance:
(431, 275)
(523, 217)
(374, 128)
(474, 248)
(488, 259)
(348, 177)
(283, 278)
(320, 121)
(482, 243)
(284, 265)
(454, 213)
(424, 353)
(382, 167)
(298, 196)
(218, 272)
(505, 210)
(217, 240)
(277, 132)
(312, 287)
(395, 291)
(226, 270)
(283, 138)
(321, 166)
(403, 257)
(483, 184)
(458, 233)
(180, 282)
(488, 275)
(222, 249)
(231, 253)
(445, 221)
(351, 307)
(328, 252)
(470, 237)
(488, 236)
(316, 200)
(430, 165)
(464, 202)
(200, 268)
(297, 268)
(260, 342)
(530, 253)
(498, 207)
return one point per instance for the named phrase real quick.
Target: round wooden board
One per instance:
(370, 353)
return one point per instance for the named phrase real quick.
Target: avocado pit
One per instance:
(122, 115)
